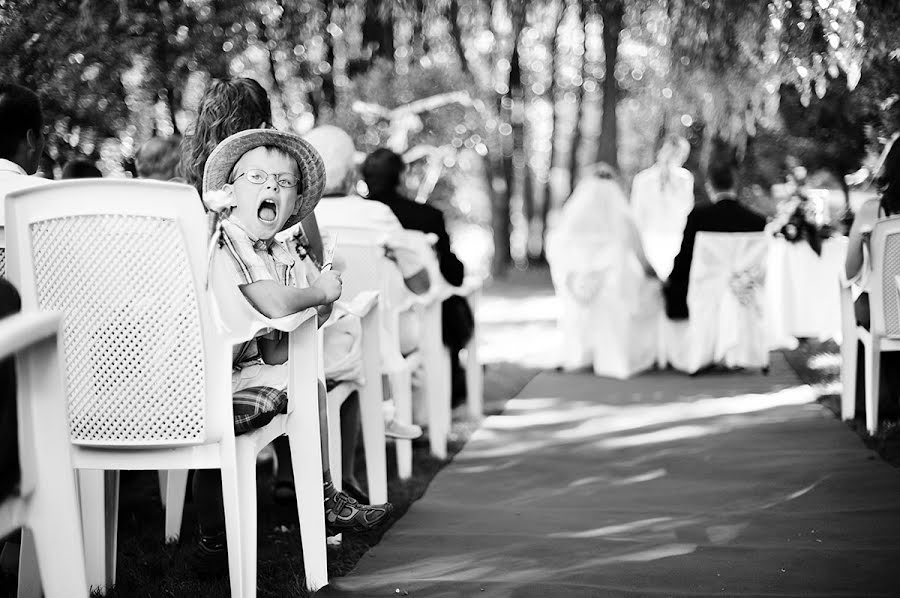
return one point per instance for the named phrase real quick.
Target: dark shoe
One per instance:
(355, 492)
(210, 558)
(344, 514)
(283, 493)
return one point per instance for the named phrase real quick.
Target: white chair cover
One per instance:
(726, 299)
(609, 310)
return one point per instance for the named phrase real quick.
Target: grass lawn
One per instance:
(149, 568)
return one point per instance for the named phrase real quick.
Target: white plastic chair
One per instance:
(46, 506)
(884, 333)
(364, 305)
(726, 300)
(148, 348)
(471, 289)
(848, 349)
(366, 270)
(610, 310)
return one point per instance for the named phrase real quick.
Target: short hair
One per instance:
(338, 152)
(158, 158)
(721, 176)
(20, 112)
(80, 169)
(228, 106)
(381, 171)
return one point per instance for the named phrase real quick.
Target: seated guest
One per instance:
(722, 214)
(340, 205)
(858, 264)
(158, 159)
(81, 169)
(382, 171)
(608, 291)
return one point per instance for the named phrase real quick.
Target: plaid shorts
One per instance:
(256, 406)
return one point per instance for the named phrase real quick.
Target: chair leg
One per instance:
(99, 493)
(370, 400)
(334, 443)
(163, 485)
(849, 359)
(474, 381)
(29, 585)
(401, 387)
(57, 544)
(231, 501)
(873, 379)
(246, 476)
(307, 465)
(174, 490)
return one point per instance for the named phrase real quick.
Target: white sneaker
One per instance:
(401, 431)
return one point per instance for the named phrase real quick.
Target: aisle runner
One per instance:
(719, 485)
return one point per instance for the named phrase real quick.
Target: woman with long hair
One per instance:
(230, 106)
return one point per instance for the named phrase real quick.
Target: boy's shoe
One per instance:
(401, 431)
(210, 558)
(344, 514)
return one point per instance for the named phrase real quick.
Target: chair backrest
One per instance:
(366, 268)
(884, 299)
(586, 266)
(733, 263)
(126, 263)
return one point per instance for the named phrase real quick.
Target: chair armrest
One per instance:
(363, 303)
(239, 319)
(20, 330)
(470, 285)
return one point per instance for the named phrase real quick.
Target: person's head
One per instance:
(887, 177)
(337, 150)
(274, 179)
(80, 169)
(720, 178)
(228, 106)
(381, 170)
(158, 158)
(674, 151)
(21, 126)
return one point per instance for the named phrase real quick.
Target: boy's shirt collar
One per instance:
(244, 240)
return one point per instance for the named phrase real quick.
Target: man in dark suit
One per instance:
(382, 171)
(721, 214)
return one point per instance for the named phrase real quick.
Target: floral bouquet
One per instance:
(801, 218)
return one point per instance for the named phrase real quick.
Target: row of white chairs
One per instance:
(147, 348)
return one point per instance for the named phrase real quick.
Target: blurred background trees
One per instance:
(501, 102)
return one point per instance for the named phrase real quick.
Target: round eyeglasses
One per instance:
(258, 177)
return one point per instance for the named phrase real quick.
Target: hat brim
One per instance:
(312, 170)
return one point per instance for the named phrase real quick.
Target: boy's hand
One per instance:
(329, 282)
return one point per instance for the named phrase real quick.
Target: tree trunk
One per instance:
(612, 28)
(452, 15)
(378, 29)
(329, 95)
(579, 99)
(547, 199)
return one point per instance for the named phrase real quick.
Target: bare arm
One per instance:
(275, 300)
(862, 225)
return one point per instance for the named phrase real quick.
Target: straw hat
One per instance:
(312, 171)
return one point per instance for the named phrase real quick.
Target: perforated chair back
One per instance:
(362, 251)
(126, 262)
(884, 298)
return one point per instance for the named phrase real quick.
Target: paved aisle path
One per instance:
(660, 486)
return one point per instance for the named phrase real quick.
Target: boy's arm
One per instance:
(275, 300)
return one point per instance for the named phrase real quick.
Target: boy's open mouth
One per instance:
(268, 211)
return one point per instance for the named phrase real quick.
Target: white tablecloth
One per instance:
(802, 289)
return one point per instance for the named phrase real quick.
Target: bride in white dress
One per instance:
(609, 295)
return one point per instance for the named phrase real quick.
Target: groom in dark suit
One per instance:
(721, 214)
